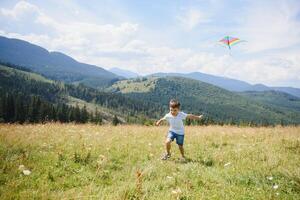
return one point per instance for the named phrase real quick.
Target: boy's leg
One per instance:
(168, 145)
(167, 155)
(181, 150)
(170, 138)
(179, 141)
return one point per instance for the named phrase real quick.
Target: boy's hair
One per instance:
(174, 103)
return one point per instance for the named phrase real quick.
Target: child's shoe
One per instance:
(166, 156)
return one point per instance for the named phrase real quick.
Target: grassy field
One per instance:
(67, 161)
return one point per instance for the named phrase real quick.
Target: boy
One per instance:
(176, 130)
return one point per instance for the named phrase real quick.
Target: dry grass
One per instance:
(70, 161)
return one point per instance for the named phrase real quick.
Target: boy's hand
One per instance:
(191, 116)
(159, 121)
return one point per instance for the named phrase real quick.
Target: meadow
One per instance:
(71, 161)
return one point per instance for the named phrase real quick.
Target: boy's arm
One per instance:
(159, 121)
(191, 116)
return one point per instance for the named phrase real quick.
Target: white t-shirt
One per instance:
(176, 124)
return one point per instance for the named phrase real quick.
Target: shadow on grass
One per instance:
(205, 162)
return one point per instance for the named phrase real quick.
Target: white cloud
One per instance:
(270, 25)
(72, 36)
(190, 18)
(21, 9)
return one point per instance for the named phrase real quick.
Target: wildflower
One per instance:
(21, 167)
(26, 172)
(275, 187)
(270, 178)
(227, 164)
(177, 191)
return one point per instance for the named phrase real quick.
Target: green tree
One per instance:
(20, 112)
(77, 114)
(84, 115)
(115, 121)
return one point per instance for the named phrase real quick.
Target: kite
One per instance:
(230, 41)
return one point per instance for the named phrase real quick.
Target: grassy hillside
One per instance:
(69, 161)
(230, 84)
(17, 81)
(142, 100)
(226, 83)
(275, 98)
(139, 85)
(198, 97)
(9, 72)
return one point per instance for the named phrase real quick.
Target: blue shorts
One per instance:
(179, 138)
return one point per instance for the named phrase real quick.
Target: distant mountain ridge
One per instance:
(54, 65)
(230, 84)
(124, 73)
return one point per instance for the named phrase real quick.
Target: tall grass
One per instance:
(69, 161)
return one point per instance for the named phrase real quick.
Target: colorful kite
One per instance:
(230, 41)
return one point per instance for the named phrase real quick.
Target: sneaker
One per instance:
(166, 156)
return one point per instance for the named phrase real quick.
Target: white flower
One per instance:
(227, 164)
(21, 167)
(270, 178)
(275, 187)
(26, 172)
(177, 191)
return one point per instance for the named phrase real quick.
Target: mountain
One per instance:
(289, 90)
(139, 100)
(124, 73)
(259, 88)
(226, 83)
(217, 104)
(230, 84)
(24, 85)
(54, 65)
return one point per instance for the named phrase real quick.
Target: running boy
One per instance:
(176, 130)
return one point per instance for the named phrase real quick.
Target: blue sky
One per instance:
(167, 35)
